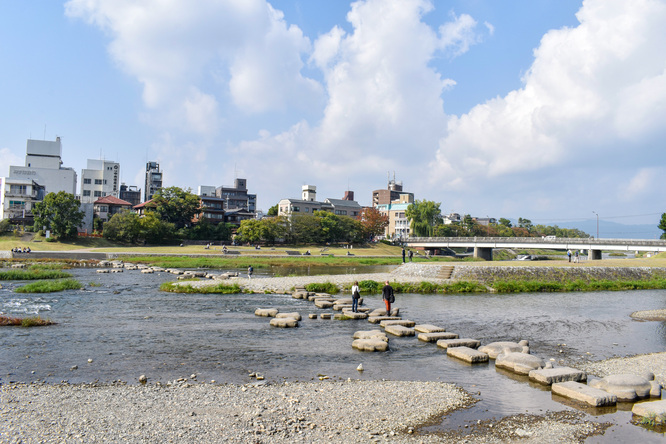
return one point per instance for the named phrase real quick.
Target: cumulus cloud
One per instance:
(238, 50)
(593, 95)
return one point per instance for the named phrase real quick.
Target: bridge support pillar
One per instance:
(483, 253)
(594, 255)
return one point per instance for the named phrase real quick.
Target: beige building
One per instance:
(308, 204)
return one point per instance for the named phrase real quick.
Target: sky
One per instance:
(550, 110)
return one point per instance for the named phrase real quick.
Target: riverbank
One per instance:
(329, 411)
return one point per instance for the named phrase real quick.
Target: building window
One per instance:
(98, 194)
(295, 209)
(98, 181)
(87, 181)
(18, 189)
(16, 204)
(86, 192)
(104, 181)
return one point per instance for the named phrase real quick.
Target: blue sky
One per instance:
(546, 110)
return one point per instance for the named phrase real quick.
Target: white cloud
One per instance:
(241, 49)
(593, 92)
(7, 158)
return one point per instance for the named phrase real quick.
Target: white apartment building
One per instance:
(100, 179)
(43, 164)
(18, 197)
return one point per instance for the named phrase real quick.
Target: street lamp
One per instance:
(597, 223)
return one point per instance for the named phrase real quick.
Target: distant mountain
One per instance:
(612, 230)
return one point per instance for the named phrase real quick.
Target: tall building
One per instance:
(391, 194)
(100, 179)
(237, 197)
(153, 180)
(227, 204)
(43, 164)
(130, 193)
(393, 202)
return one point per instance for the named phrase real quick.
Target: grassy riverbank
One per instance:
(32, 321)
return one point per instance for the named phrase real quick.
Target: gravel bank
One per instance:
(653, 363)
(349, 412)
(650, 315)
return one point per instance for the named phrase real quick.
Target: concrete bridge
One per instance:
(483, 246)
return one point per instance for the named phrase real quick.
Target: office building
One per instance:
(101, 178)
(153, 180)
(43, 165)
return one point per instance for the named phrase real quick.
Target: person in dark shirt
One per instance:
(388, 297)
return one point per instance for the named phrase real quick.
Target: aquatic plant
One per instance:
(25, 322)
(28, 275)
(323, 287)
(174, 287)
(50, 286)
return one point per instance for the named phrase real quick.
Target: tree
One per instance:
(374, 223)
(177, 206)
(525, 223)
(123, 227)
(156, 231)
(662, 226)
(273, 211)
(59, 212)
(505, 222)
(423, 216)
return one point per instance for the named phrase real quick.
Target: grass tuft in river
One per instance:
(50, 286)
(33, 321)
(174, 287)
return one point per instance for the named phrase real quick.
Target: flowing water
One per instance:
(128, 328)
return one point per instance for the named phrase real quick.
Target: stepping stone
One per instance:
(399, 330)
(312, 316)
(371, 334)
(270, 312)
(284, 322)
(403, 322)
(436, 336)
(321, 298)
(340, 307)
(652, 409)
(550, 376)
(349, 316)
(584, 393)
(467, 354)
(147, 271)
(294, 315)
(299, 295)
(520, 363)
(428, 328)
(372, 345)
(626, 387)
(343, 301)
(325, 316)
(382, 312)
(378, 319)
(495, 348)
(323, 304)
(359, 309)
(103, 270)
(464, 342)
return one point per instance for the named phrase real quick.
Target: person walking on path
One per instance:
(403, 255)
(249, 272)
(388, 296)
(411, 255)
(356, 295)
(576, 258)
(569, 255)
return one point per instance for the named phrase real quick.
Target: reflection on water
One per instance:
(128, 328)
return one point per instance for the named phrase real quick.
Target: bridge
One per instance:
(483, 246)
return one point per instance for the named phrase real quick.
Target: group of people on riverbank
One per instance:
(21, 250)
(388, 297)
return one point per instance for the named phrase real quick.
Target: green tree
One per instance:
(505, 222)
(59, 212)
(305, 229)
(273, 211)
(123, 227)
(662, 226)
(423, 216)
(156, 231)
(177, 206)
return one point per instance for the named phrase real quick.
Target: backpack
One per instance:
(391, 298)
(356, 295)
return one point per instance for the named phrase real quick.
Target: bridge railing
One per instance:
(538, 240)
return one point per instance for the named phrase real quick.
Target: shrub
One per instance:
(174, 287)
(323, 287)
(370, 286)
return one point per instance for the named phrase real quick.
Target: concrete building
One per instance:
(153, 180)
(216, 201)
(237, 197)
(308, 204)
(393, 202)
(18, 198)
(43, 165)
(391, 194)
(130, 193)
(101, 178)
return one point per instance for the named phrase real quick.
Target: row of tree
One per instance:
(320, 227)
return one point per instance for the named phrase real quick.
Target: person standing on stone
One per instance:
(388, 297)
(403, 255)
(249, 272)
(356, 295)
(411, 255)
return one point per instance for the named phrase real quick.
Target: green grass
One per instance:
(256, 262)
(50, 286)
(32, 274)
(535, 286)
(174, 287)
(324, 287)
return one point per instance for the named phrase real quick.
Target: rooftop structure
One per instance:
(101, 178)
(308, 204)
(43, 164)
(153, 180)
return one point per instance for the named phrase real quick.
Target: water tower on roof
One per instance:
(309, 193)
